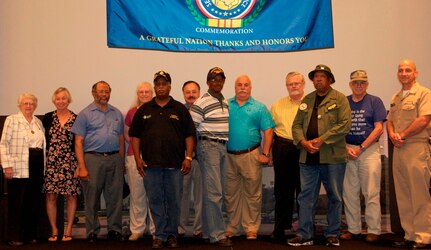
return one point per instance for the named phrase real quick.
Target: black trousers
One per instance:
(285, 157)
(25, 201)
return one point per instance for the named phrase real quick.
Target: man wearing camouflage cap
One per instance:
(363, 169)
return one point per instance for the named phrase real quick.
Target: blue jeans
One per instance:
(212, 158)
(163, 187)
(332, 176)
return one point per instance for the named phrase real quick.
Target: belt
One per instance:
(102, 153)
(357, 143)
(36, 149)
(354, 143)
(212, 139)
(282, 139)
(240, 152)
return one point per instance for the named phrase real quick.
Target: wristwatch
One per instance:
(189, 158)
(266, 155)
(362, 148)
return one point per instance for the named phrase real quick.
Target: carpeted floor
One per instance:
(239, 243)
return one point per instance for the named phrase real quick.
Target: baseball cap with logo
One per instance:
(214, 72)
(163, 74)
(359, 75)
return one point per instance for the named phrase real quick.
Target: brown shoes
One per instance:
(349, 236)
(226, 242)
(372, 238)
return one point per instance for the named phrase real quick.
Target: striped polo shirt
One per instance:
(211, 116)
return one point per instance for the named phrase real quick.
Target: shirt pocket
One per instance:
(409, 110)
(115, 127)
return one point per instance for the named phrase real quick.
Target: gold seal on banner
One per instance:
(225, 13)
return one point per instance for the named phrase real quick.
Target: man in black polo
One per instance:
(162, 130)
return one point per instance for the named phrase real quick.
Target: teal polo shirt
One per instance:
(246, 123)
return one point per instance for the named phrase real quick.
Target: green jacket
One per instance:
(334, 121)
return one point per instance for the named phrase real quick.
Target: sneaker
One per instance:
(251, 235)
(134, 237)
(226, 242)
(372, 238)
(332, 242)
(299, 241)
(157, 243)
(172, 242)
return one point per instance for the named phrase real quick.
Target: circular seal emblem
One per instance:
(225, 9)
(303, 106)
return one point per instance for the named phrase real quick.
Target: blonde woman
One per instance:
(60, 175)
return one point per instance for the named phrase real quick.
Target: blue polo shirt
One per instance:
(246, 123)
(364, 114)
(101, 130)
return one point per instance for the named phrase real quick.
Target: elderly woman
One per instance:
(61, 177)
(138, 196)
(22, 155)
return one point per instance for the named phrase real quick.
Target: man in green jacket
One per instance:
(319, 129)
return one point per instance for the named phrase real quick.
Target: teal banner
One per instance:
(220, 25)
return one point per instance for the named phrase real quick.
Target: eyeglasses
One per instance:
(216, 80)
(359, 83)
(27, 103)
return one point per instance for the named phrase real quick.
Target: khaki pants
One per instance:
(243, 192)
(412, 168)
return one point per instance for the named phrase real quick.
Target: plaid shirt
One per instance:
(14, 144)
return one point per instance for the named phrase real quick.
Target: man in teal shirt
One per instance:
(243, 185)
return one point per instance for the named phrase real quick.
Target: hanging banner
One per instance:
(220, 25)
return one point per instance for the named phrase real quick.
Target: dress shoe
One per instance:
(226, 242)
(278, 235)
(372, 238)
(251, 235)
(406, 244)
(349, 236)
(418, 245)
(115, 236)
(15, 243)
(198, 235)
(157, 243)
(172, 242)
(92, 237)
(134, 237)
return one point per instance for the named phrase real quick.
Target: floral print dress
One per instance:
(61, 162)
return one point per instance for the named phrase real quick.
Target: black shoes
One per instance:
(92, 237)
(172, 242)
(115, 236)
(407, 244)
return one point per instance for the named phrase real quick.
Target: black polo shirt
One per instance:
(162, 131)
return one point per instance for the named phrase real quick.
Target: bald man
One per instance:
(409, 130)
